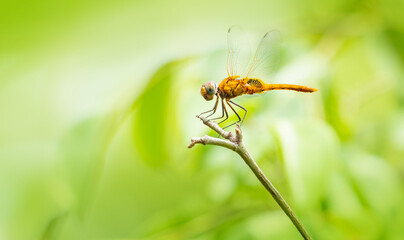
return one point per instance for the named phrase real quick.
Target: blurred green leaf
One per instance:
(152, 111)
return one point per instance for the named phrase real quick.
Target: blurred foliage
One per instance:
(97, 106)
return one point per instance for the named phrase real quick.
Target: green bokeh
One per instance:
(98, 102)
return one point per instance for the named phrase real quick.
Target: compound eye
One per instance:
(210, 88)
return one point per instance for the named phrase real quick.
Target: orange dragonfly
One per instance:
(266, 57)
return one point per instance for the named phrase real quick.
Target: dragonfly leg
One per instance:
(214, 108)
(220, 116)
(239, 119)
(245, 110)
(225, 111)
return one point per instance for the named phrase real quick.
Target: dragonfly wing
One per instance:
(267, 57)
(237, 51)
(255, 82)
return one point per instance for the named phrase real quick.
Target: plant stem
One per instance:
(235, 143)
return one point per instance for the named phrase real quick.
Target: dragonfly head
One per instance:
(208, 90)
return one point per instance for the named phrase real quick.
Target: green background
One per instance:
(98, 102)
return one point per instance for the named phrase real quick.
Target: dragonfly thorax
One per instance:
(209, 90)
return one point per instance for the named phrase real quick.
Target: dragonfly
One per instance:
(265, 59)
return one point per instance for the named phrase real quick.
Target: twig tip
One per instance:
(239, 133)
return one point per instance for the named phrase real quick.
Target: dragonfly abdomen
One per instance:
(257, 86)
(292, 87)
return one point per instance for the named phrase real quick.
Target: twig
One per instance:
(235, 143)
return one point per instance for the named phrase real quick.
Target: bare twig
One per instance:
(235, 143)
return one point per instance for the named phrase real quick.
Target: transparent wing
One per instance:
(237, 51)
(267, 57)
